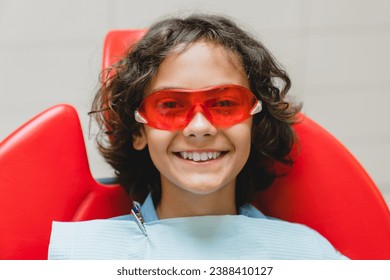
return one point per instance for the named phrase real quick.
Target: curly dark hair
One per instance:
(123, 87)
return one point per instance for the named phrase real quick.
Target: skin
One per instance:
(192, 188)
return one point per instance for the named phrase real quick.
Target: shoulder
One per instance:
(297, 240)
(95, 239)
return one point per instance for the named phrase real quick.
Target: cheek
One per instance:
(241, 135)
(245, 145)
(242, 132)
(158, 143)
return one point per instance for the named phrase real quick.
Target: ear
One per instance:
(140, 141)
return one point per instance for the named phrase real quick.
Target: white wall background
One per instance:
(336, 52)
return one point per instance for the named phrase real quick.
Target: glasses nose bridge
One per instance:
(198, 107)
(199, 126)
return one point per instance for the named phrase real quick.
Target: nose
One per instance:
(199, 126)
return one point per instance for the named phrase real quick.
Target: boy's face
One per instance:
(201, 158)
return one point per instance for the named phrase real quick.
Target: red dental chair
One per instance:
(44, 176)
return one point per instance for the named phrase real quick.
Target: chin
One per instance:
(203, 189)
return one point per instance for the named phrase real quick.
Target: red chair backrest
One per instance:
(329, 191)
(117, 43)
(44, 176)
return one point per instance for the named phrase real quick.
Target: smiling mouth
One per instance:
(200, 156)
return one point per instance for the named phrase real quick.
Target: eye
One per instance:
(225, 102)
(169, 104)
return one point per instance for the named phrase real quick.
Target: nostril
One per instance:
(196, 135)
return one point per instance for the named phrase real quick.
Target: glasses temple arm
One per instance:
(139, 118)
(257, 108)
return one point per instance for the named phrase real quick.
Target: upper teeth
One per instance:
(195, 156)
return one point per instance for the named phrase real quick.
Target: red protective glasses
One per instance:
(173, 109)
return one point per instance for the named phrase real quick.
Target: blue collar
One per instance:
(148, 211)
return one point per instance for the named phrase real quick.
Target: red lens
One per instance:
(173, 109)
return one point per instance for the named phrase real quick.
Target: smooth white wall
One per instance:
(336, 52)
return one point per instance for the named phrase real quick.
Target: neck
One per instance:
(177, 202)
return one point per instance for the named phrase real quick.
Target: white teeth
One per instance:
(204, 156)
(197, 156)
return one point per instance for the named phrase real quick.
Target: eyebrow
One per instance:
(176, 87)
(165, 88)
